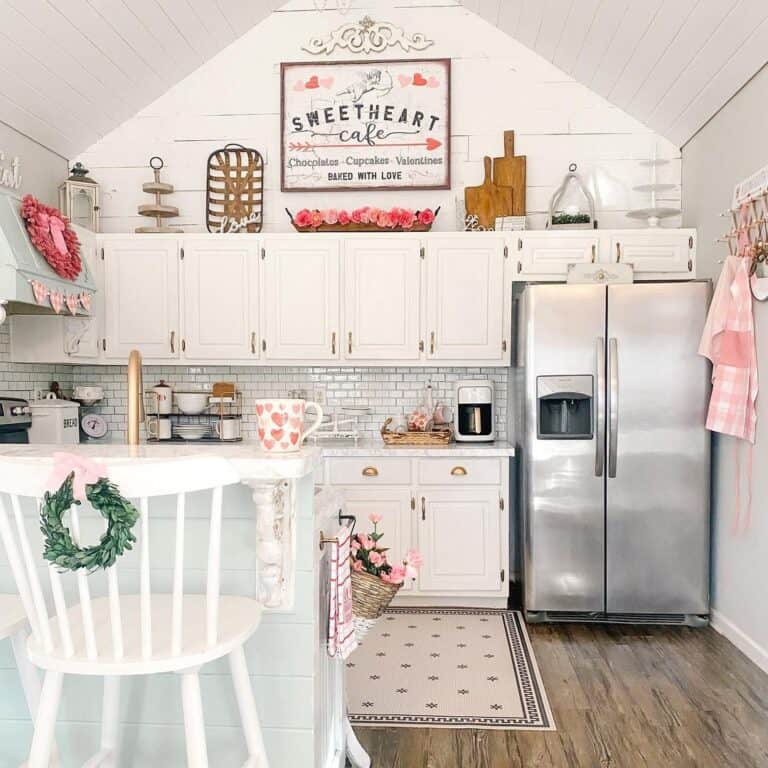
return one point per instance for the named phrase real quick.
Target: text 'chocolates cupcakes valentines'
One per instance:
(281, 423)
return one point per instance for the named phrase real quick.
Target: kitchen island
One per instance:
(270, 525)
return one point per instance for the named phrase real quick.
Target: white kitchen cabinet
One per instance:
(220, 297)
(397, 523)
(382, 299)
(300, 299)
(141, 297)
(465, 299)
(551, 253)
(456, 518)
(460, 539)
(655, 251)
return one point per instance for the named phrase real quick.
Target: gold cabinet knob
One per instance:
(370, 472)
(458, 471)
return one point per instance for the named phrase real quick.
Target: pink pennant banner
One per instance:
(72, 302)
(57, 301)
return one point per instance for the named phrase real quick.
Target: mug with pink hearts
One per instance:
(281, 425)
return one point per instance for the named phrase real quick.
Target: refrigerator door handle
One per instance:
(600, 409)
(613, 405)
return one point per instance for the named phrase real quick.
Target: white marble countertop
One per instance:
(376, 447)
(248, 459)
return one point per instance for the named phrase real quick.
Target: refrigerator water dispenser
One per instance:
(564, 405)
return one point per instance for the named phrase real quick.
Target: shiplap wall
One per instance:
(498, 84)
(281, 656)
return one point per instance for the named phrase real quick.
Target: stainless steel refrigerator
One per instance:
(615, 459)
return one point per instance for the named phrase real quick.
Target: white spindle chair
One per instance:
(124, 633)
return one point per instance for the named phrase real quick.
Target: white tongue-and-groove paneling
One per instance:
(497, 84)
(671, 64)
(72, 70)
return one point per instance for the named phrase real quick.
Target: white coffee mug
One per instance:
(281, 423)
(159, 429)
(227, 429)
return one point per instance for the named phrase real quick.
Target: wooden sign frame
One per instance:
(327, 94)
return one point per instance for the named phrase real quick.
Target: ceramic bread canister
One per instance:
(281, 423)
(164, 394)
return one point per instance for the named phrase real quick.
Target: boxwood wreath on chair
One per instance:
(120, 514)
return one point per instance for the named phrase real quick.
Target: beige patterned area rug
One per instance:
(447, 668)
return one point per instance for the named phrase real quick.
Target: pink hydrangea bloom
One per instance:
(375, 558)
(365, 541)
(357, 565)
(396, 575)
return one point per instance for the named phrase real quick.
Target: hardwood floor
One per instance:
(622, 697)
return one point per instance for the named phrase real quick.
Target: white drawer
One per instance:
(369, 471)
(459, 471)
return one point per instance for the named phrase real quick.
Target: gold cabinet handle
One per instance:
(458, 472)
(370, 472)
(618, 252)
(423, 508)
(594, 253)
(333, 343)
(183, 345)
(173, 342)
(349, 343)
(432, 343)
(253, 342)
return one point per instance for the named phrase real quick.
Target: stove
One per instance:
(15, 420)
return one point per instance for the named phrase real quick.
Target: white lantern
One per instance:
(79, 199)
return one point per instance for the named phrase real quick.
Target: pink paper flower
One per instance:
(375, 518)
(87, 472)
(406, 218)
(357, 216)
(396, 575)
(383, 220)
(331, 216)
(303, 218)
(344, 218)
(357, 565)
(373, 215)
(375, 558)
(413, 557)
(316, 219)
(426, 217)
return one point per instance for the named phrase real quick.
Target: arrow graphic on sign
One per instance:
(306, 146)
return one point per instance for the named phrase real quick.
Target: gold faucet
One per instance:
(135, 397)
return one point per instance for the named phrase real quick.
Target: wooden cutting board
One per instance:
(488, 201)
(509, 171)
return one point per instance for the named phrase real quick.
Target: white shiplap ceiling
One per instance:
(72, 70)
(672, 64)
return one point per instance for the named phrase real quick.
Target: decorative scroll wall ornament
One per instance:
(367, 36)
(10, 172)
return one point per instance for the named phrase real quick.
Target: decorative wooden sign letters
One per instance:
(366, 125)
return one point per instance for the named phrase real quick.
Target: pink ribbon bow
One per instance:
(56, 227)
(87, 472)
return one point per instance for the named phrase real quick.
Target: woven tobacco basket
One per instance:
(235, 189)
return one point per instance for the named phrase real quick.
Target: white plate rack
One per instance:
(218, 410)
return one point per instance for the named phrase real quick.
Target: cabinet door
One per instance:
(460, 539)
(220, 284)
(394, 506)
(141, 277)
(382, 295)
(300, 299)
(465, 299)
(659, 251)
(551, 253)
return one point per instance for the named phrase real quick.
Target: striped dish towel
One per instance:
(341, 623)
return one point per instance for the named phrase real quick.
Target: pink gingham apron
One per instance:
(729, 342)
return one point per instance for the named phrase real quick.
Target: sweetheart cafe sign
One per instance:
(366, 125)
(10, 172)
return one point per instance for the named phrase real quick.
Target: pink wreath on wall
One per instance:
(51, 234)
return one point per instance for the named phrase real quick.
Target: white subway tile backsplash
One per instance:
(386, 391)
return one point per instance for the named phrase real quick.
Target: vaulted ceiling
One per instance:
(72, 70)
(672, 64)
